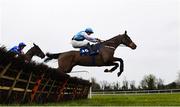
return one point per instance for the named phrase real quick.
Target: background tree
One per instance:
(175, 84)
(143, 84)
(132, 85)
(160, 84)
(178, 78)
(105, 85)
(125, 84)
(117, 86)
(149, 82)
(172, 85)
(95, 85)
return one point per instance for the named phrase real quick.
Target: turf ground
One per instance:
(125, 100)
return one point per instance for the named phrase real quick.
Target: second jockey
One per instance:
(17, 50)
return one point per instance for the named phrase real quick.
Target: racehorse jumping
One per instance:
(67, 60)
(34, 51)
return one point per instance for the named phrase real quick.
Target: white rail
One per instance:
(170, 91)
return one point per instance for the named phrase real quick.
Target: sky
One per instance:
(152, 24)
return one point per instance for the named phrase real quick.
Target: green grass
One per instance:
(126, 100)
(122, 100)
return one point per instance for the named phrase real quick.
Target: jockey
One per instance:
(18, 49)
(79, 40)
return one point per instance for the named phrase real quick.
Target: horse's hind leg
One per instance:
(66, 64)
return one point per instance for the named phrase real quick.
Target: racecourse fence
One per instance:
(138, 92)
(22, 82)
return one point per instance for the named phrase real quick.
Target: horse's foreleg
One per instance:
(121, 65)
(116, 65)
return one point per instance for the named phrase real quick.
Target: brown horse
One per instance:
(34, 51)
(67, 60)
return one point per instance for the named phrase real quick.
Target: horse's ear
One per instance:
(125, 32)
(34, 44)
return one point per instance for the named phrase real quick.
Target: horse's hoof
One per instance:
(106, 70)
(118, 74)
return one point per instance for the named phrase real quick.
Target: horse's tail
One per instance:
(51, 56)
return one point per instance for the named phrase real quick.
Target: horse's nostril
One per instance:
(134, 47)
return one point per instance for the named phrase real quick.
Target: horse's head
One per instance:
(126, 40)
(38, 52)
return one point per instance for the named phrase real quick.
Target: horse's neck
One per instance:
(29, 54)
(114, 42)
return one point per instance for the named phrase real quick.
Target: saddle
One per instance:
(91, 50)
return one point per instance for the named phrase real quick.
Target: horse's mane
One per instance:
(111, 40)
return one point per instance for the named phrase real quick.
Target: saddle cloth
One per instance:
(84, 51)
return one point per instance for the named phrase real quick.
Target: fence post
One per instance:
(61, 91)
(74, 91)
(43, 88)
(13, 85)
(5, 69)
(90, 90)
(49, 92)
(24, 96)
(35, 89)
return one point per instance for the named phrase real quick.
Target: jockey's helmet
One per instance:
(22, 44)
(89, 30)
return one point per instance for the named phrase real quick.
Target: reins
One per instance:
(107, 46)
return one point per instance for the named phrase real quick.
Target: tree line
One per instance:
(149, 82)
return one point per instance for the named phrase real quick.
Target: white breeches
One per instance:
(79, 44)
